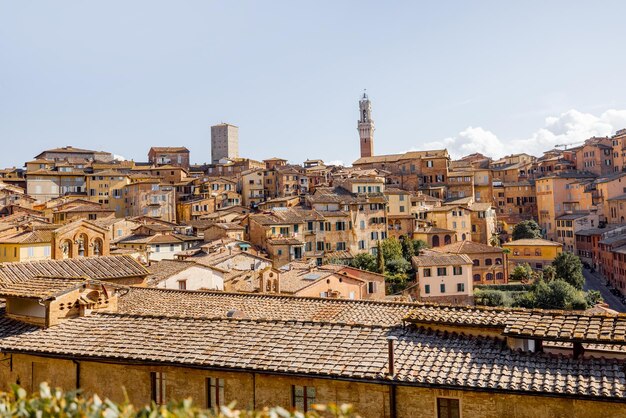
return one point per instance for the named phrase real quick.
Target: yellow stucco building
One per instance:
(538, 253)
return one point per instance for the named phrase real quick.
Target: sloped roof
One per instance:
(97, 268)
(468, 247)
(434, 258)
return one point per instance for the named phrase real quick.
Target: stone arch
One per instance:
(66, 248)
(435, 240)
(447, 240)
(82, 245)
(97, 246)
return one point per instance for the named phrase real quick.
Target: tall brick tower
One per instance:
(366, 127)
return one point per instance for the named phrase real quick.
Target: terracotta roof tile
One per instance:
(97, 268)
(423, 358)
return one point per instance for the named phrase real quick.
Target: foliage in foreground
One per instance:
(53, 403)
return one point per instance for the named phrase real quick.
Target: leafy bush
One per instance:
(569, 268)
(364, 261)
(556, 294)
(526, 230)
(522, 272)
(489, 297)
(54, 403)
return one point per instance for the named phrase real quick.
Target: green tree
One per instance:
(522, 272)
(398, 266)
(364, 261)
(489, 297)
(494, 240)
(526, 230)
(419, 245)
(549, 273)
(557, 294)
(593, 297)
(380, 258)
(408, 250)
(569, 268)
(392, 249)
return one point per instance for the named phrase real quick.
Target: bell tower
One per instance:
(366, 127)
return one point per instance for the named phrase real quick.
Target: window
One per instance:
(182, 285)
(442, 271)
(158, 385)
(427, 273)
(476, 262)
(448, 408)
(488, 262)
(442, 288)
(303, 397)
(371, 287)
(457, 270)
(93, 216)
(279, 252)
(460, 287)
(46, 251)
(427, 288)
(31, 251)
(476, 277)
(214, 392)
(341, 246)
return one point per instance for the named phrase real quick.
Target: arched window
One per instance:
(498, 261)
(488, 262)
(515, 251)
(476, 262)
(538, 251)
(463, 237)
(489, 276)
(96, 246)
(476, 277)
(500, 276)
(447, 240)
(435, 240)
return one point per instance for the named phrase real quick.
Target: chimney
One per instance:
(390, 349)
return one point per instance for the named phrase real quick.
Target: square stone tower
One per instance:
(224, 142)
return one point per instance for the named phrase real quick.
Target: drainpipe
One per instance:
(391, 373)
(77, 363)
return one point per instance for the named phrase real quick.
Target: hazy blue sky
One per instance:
(491, 76)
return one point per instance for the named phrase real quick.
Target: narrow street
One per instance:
(593, 281)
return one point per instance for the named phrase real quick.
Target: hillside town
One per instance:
(401, 284)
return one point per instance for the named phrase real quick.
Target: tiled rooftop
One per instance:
(567, 326)
(161, 302)
(97, 268)
(39, 287)
(335, 350)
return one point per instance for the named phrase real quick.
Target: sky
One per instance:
(495, 77)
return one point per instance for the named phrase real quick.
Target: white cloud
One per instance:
(335, 162)
(567, 128)
(118, 157)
